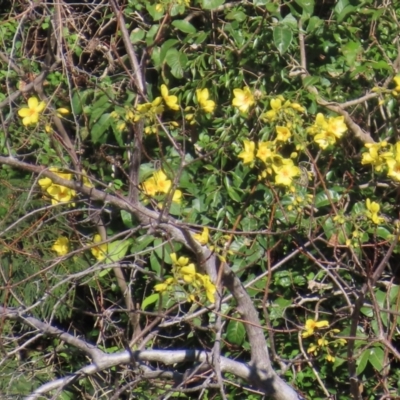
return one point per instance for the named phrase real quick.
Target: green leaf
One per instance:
(313, 24)
(368, 312)
(306, 5)
(322, 199)
(151, 34)
(351, 50)
(79, 99)
(165, 47)
(236, 15)
(103, 100)
(177, 61)
(343, 8)
(362, 362)
(282, 38)
(184, 26)
(211, 4)
(155, 263)
(137, 35)
(290, 21)
(142, 243)
(117, 250)
(126, 219)
(375, 357)
(104, 272)
(235, 332)
(96, 133)
(383, 233)
(153, 298)
(152, 9)
(162, 250)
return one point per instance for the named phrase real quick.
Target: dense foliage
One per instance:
(152, 153)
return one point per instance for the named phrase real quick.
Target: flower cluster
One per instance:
(148, 112)
(383, 157)
(283, 168)
(184, 273)
(159, 183)
(372, 212)
(287, 119)
(327, 131)
(322, 343)
(57, 193)
(281, 108)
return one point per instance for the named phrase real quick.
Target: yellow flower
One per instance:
(60, 194)
(188, 273)
(158, 183)
(320, 125)
(373, 156)
(243, 100)
(207, 105)
(162, 287)
(61, 246)
(397, 82)
(297, 107)
(311, 325)
(149, 186)
(162, 183)
(180, 262)
(170, 101)
(30, 115)
(99, 252)
(336, 126)
(86, 181)
(313, 349)
(149, 110)
(394, 169)
(209, 286)
(276, 104)
(285, 172)
(322, 342)
(283, 133)
(265, 151)
(177, 197)
(330, 358)
(324, 139)
(156, 106)
(372, 212)
(270, 115)
(62, 111)
(203, 236)
(248, 153)
(121, 126)
(44, 183)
